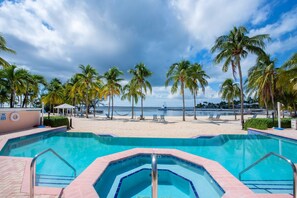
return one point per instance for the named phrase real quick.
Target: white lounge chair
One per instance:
(162, 118)
(210, 117)
(155, 117)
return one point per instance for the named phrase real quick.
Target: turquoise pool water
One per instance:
(176, 178)
(234, 152)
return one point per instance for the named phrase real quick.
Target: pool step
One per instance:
(59, 181)
(270, 186)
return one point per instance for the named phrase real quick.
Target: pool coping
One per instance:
(268, 133)
(83, 185)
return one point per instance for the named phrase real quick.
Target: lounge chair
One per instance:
(217, 117)
(254, 116)
(162, 118)
(210, 117)
(155, 117)
(107, 115)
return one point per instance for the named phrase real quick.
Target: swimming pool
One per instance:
(234, 152)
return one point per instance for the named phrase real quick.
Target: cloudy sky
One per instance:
(53, 37)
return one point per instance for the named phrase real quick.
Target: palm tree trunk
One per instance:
(241, 96)
(108, 106)
(111, 106)
(266, 106)
(195, 117)
(183, 94)
(94, 108)
(132, 107)
(234, 110)
(87, 105)
(12, 99)
(141, 117)
(272, 100)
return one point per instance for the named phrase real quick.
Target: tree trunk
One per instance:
(195, 117)
(272, 100)
(266, 106)
(12, 95)
(132, 107)
(94, 108)
(87, 105)
(183, 94)
(111, 106)
(141, 117)
(234, 110)
(241, 96)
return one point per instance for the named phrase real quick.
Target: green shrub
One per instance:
(56, 121)
(265, 123)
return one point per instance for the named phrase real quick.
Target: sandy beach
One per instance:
(172, 127)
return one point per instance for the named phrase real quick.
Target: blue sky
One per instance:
(53, 37)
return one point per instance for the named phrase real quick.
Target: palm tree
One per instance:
(131, 92)
(14, 78)
(262, 80)
(112, 86)
(291, 67)
(197, 78)
(230, 91)
(178, 73)
(87, 81)
(4, 48)
(140, 74)
(233, 48)
(55, 94)
(32, 83)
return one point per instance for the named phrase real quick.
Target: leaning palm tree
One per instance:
(87, 81)
(4, 48)
(178, 74)
(262, 79)
(234, 47)
(230, 91)
(131, 92)
(140, 74)
(112, 87)
(197, 79)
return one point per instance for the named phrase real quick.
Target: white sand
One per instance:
(173, 127)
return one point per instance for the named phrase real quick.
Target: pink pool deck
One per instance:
(15, 173)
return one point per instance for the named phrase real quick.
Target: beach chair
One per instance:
(107, 115)
(254, 116)
(162, 118)
(217, 117)
(210, 117)
(155, 117)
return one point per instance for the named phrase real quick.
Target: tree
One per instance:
(4, 48)
(55, 93)
(261, 81)
(178, 74)
(291, 68)
(140, 74)
(112, 86)
(32, 83)
(14, 79)
(87, 81)
(131, 92)
(234, 47)
(230, 91)
(196, 78)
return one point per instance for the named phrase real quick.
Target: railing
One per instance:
(32, 168)
(154, 177)
(281, 157)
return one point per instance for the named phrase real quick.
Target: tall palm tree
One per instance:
(262, 80)
(197, 77)
(178, 74)
(4, 48)
(234, 47)
(14, 78)
(140, 74)
(55, 93)
(230, 91)
(87, 81)
(112, 86)
(131, 92)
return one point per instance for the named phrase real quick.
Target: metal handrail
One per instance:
(154, 177)
(32, 168)
(281, 157)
